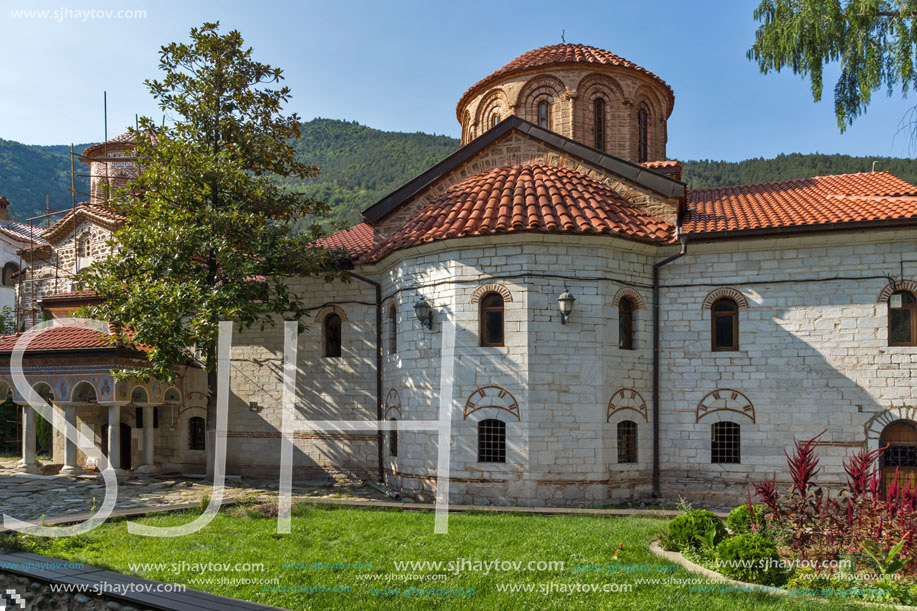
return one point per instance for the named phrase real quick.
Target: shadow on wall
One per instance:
(803, 369)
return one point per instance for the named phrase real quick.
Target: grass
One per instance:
(382, 537)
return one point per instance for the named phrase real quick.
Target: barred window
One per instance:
(627, 441)
(332, 328)
(726, 443)
(393, 441)
(196, 434)
(491, 441)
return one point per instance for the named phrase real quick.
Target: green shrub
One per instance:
(740, 519)
(749, 557)
(690, 530)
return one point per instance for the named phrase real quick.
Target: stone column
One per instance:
(114, 438)
(70, 465)
(29, 462)
(149, 465)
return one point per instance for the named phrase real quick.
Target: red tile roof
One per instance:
(558, 54)
(101, 212)
(655, 165)
(819, 200)
(536, 198)
(58, 338)
(99, 147)
(71, 295)
(355, 240)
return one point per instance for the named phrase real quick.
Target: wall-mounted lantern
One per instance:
(565, 304)
(424, 312)
(254, 407)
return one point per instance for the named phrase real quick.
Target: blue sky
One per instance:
(402, 65)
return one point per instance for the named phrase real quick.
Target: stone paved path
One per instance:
(31, 497)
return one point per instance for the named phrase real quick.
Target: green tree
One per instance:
(874, 40)
(209, 232)
(7, 321)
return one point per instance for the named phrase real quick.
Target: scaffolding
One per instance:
(30, 282)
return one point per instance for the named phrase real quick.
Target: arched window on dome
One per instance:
(598, 122)
(642, 136)
(494, 119)
(544, 114)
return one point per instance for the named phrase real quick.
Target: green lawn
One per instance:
(344, 536)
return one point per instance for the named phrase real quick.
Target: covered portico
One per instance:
(81, 385)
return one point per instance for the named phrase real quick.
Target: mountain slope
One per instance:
(360, 165)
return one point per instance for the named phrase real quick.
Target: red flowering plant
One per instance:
(869, 520)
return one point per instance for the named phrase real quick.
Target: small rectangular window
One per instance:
(724, 335)
(138, 417)
(725, 447)
(491, 441)
(197, 435)
(627, 442)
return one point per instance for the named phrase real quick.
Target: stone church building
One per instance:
(617, 334)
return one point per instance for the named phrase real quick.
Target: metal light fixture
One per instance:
(424, 312)
(565, 303)
(254, 407)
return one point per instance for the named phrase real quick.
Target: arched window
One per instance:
(544, 114)
(902, 319)
(494, 119)
(598, 122)
(393, 441)
(642, 136)
(492, 320)
(393, 329)
(625, 324)
(627, 441)
(725, 446)
(197, 437)
(9, 270)
(332, 329)
(900, 459)
(724, 317)
(491, 441)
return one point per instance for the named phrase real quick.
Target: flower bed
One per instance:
(859, 544)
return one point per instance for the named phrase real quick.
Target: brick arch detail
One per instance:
(495, 98)
(533, 90)
(491, 288)
(507, 402)
(636, 398)
(631, 294)
(904, 285)
(877, 423)
(734, 401)
(595, 85)
(393, 403)
(726, 291)
(330, 309)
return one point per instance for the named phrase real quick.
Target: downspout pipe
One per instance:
(683, 238)
(380, 439)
